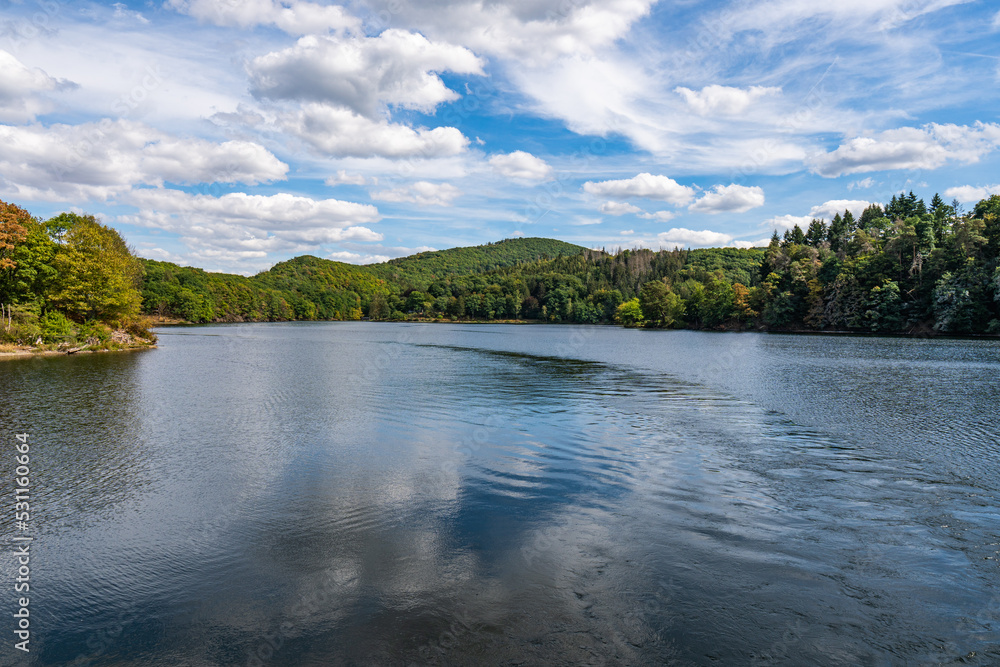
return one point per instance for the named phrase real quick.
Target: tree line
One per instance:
(902, 267)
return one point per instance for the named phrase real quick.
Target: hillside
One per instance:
(311, 288)
(421, 269)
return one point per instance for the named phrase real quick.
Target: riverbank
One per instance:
(120, 341)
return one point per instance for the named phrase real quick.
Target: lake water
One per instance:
(398, 494)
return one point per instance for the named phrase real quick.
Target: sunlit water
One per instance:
(392, 494)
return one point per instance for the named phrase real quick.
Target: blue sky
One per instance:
(233, 134)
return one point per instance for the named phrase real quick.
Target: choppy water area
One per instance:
(359, 493)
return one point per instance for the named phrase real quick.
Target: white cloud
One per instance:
(971, 193)
(357, 258)
(530, 32)
(788, 221)
(342, 177)
(339, 132)
(520, 164)
(929, 147)
(723, 100)
(95, 161)
(659, 216)
(729, 199)
(838, 206)
(19, 88)
(296, 18)
(619, 208)
(424, 193)
(237, 227)
(690, 237)
(759, 243)
(863, 184)
(644, 185)
(397, 68)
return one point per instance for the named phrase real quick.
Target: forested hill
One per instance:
(309, 288)
(421, 269)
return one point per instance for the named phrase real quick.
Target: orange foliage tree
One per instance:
(13, 230)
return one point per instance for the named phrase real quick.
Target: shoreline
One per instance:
(168, 322)
(28, 352)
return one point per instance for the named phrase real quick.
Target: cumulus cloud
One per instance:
(716, 100)
(729, 199)
(96, 161)
(787, 222)
(689, 237)
(927, 147)
(19, 89)
(619, 208)
(972, 193)
(644, 185)
(397, 68)
(238, 227)
(342, 177)
(296, 18)
(531, 32)
(831, 208)
(424, 193)
(520, 164)
(357, 257)
(339, 132)
(659, 216)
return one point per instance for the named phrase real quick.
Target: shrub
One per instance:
(55, 328)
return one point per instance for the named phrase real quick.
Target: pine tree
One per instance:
(797, 237)
(816, 234)
(837, 234)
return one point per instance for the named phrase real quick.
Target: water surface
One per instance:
(358, 493)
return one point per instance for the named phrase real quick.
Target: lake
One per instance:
(397, 494)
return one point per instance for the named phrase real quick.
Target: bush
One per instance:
(94, 334)
(55, 328)
(139, 328)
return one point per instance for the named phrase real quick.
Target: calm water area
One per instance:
(399, 494)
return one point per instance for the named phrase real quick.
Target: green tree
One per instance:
(99, 278)
(629, 314)
(816, 234)
(378, 309)
(660, 306)
(32, 274)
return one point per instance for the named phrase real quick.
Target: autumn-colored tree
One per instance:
(14, 222)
